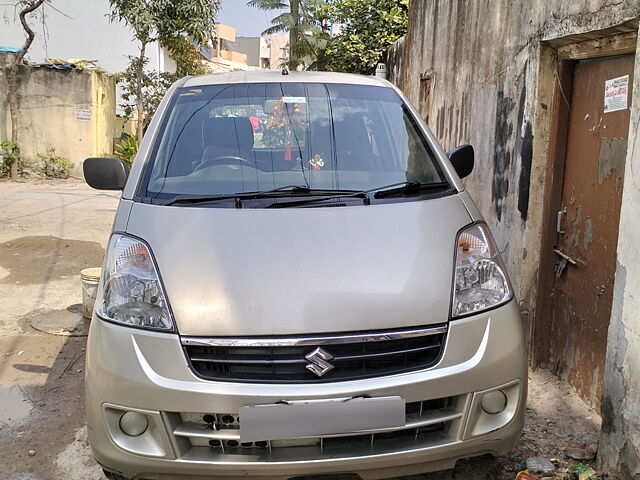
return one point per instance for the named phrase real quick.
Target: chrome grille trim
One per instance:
(292, 341)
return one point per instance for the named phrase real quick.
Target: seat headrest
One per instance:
(229, 133)
(354, 137)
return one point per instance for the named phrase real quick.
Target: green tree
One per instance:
(367, 28)
(174, 23)
(186, 55)
(142, 89)
(27, 7)
(296, 17)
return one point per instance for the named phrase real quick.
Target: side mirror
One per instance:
(462, 160)
(105, 173)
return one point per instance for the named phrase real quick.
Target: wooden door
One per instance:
(587, 223)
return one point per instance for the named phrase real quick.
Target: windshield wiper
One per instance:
(315, 194)
(377, 192)
(238, 196)
(407, 187)
(288, 189)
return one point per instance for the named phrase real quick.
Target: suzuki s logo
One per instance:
(319, 361)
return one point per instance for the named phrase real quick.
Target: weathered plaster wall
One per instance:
(491, 70)
(395, 61)
(47, 114)
(621, 398)
(483, 59)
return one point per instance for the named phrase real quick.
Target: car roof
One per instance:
(263, 76)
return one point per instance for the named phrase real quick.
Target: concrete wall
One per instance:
(52, 111)
(621, 398)
(482, 59)
(394, 60)
(225, 32)
(251, 47)
(483, 72)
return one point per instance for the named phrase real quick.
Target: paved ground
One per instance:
(49, 231)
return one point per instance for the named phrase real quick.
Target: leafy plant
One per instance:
(127, 149)
(153, 87)
(299, 19)
(166, 22)
(10, 156)
(186, 55)
(55, 166)
(338, 35)
(367, 28)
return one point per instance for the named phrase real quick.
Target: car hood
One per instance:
(247, 272)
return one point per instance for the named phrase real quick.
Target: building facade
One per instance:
(256, 49)
(278, 50)
(548, 93)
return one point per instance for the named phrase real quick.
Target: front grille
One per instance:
(206, 436)
(341, 358)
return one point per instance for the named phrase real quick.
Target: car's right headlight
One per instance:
(130, 291)
(481, 280)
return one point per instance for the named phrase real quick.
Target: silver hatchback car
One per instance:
(298, 284)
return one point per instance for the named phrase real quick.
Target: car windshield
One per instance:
(236, 138)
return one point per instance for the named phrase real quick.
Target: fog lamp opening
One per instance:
(134, 424)
(494, 402)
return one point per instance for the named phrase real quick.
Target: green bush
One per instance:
(127, 149)
(55, 166)
(10, 153)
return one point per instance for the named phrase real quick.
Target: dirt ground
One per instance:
(49, 231)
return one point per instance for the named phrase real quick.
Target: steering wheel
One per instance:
(213, 161)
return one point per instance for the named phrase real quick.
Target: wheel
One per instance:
(114, 476)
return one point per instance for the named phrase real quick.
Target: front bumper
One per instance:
(147, 372)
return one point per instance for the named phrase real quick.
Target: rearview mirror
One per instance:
(462, 159)
(105, 173)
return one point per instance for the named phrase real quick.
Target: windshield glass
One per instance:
(227, 139)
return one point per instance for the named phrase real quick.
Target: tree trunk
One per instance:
(30, 6)
(140, 93)
(294, 34)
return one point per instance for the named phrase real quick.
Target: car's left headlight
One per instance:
(130, 292)
(481, 280)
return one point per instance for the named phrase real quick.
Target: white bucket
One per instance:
(89, 278)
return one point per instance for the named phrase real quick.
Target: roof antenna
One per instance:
(285, 70)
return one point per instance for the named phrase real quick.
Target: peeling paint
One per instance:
(596, 302)
(614, 384)
(502, 155)
(613, 153)
(574, 236)
(630, 461)
(588, 232)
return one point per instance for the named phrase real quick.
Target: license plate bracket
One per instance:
(315, 418)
